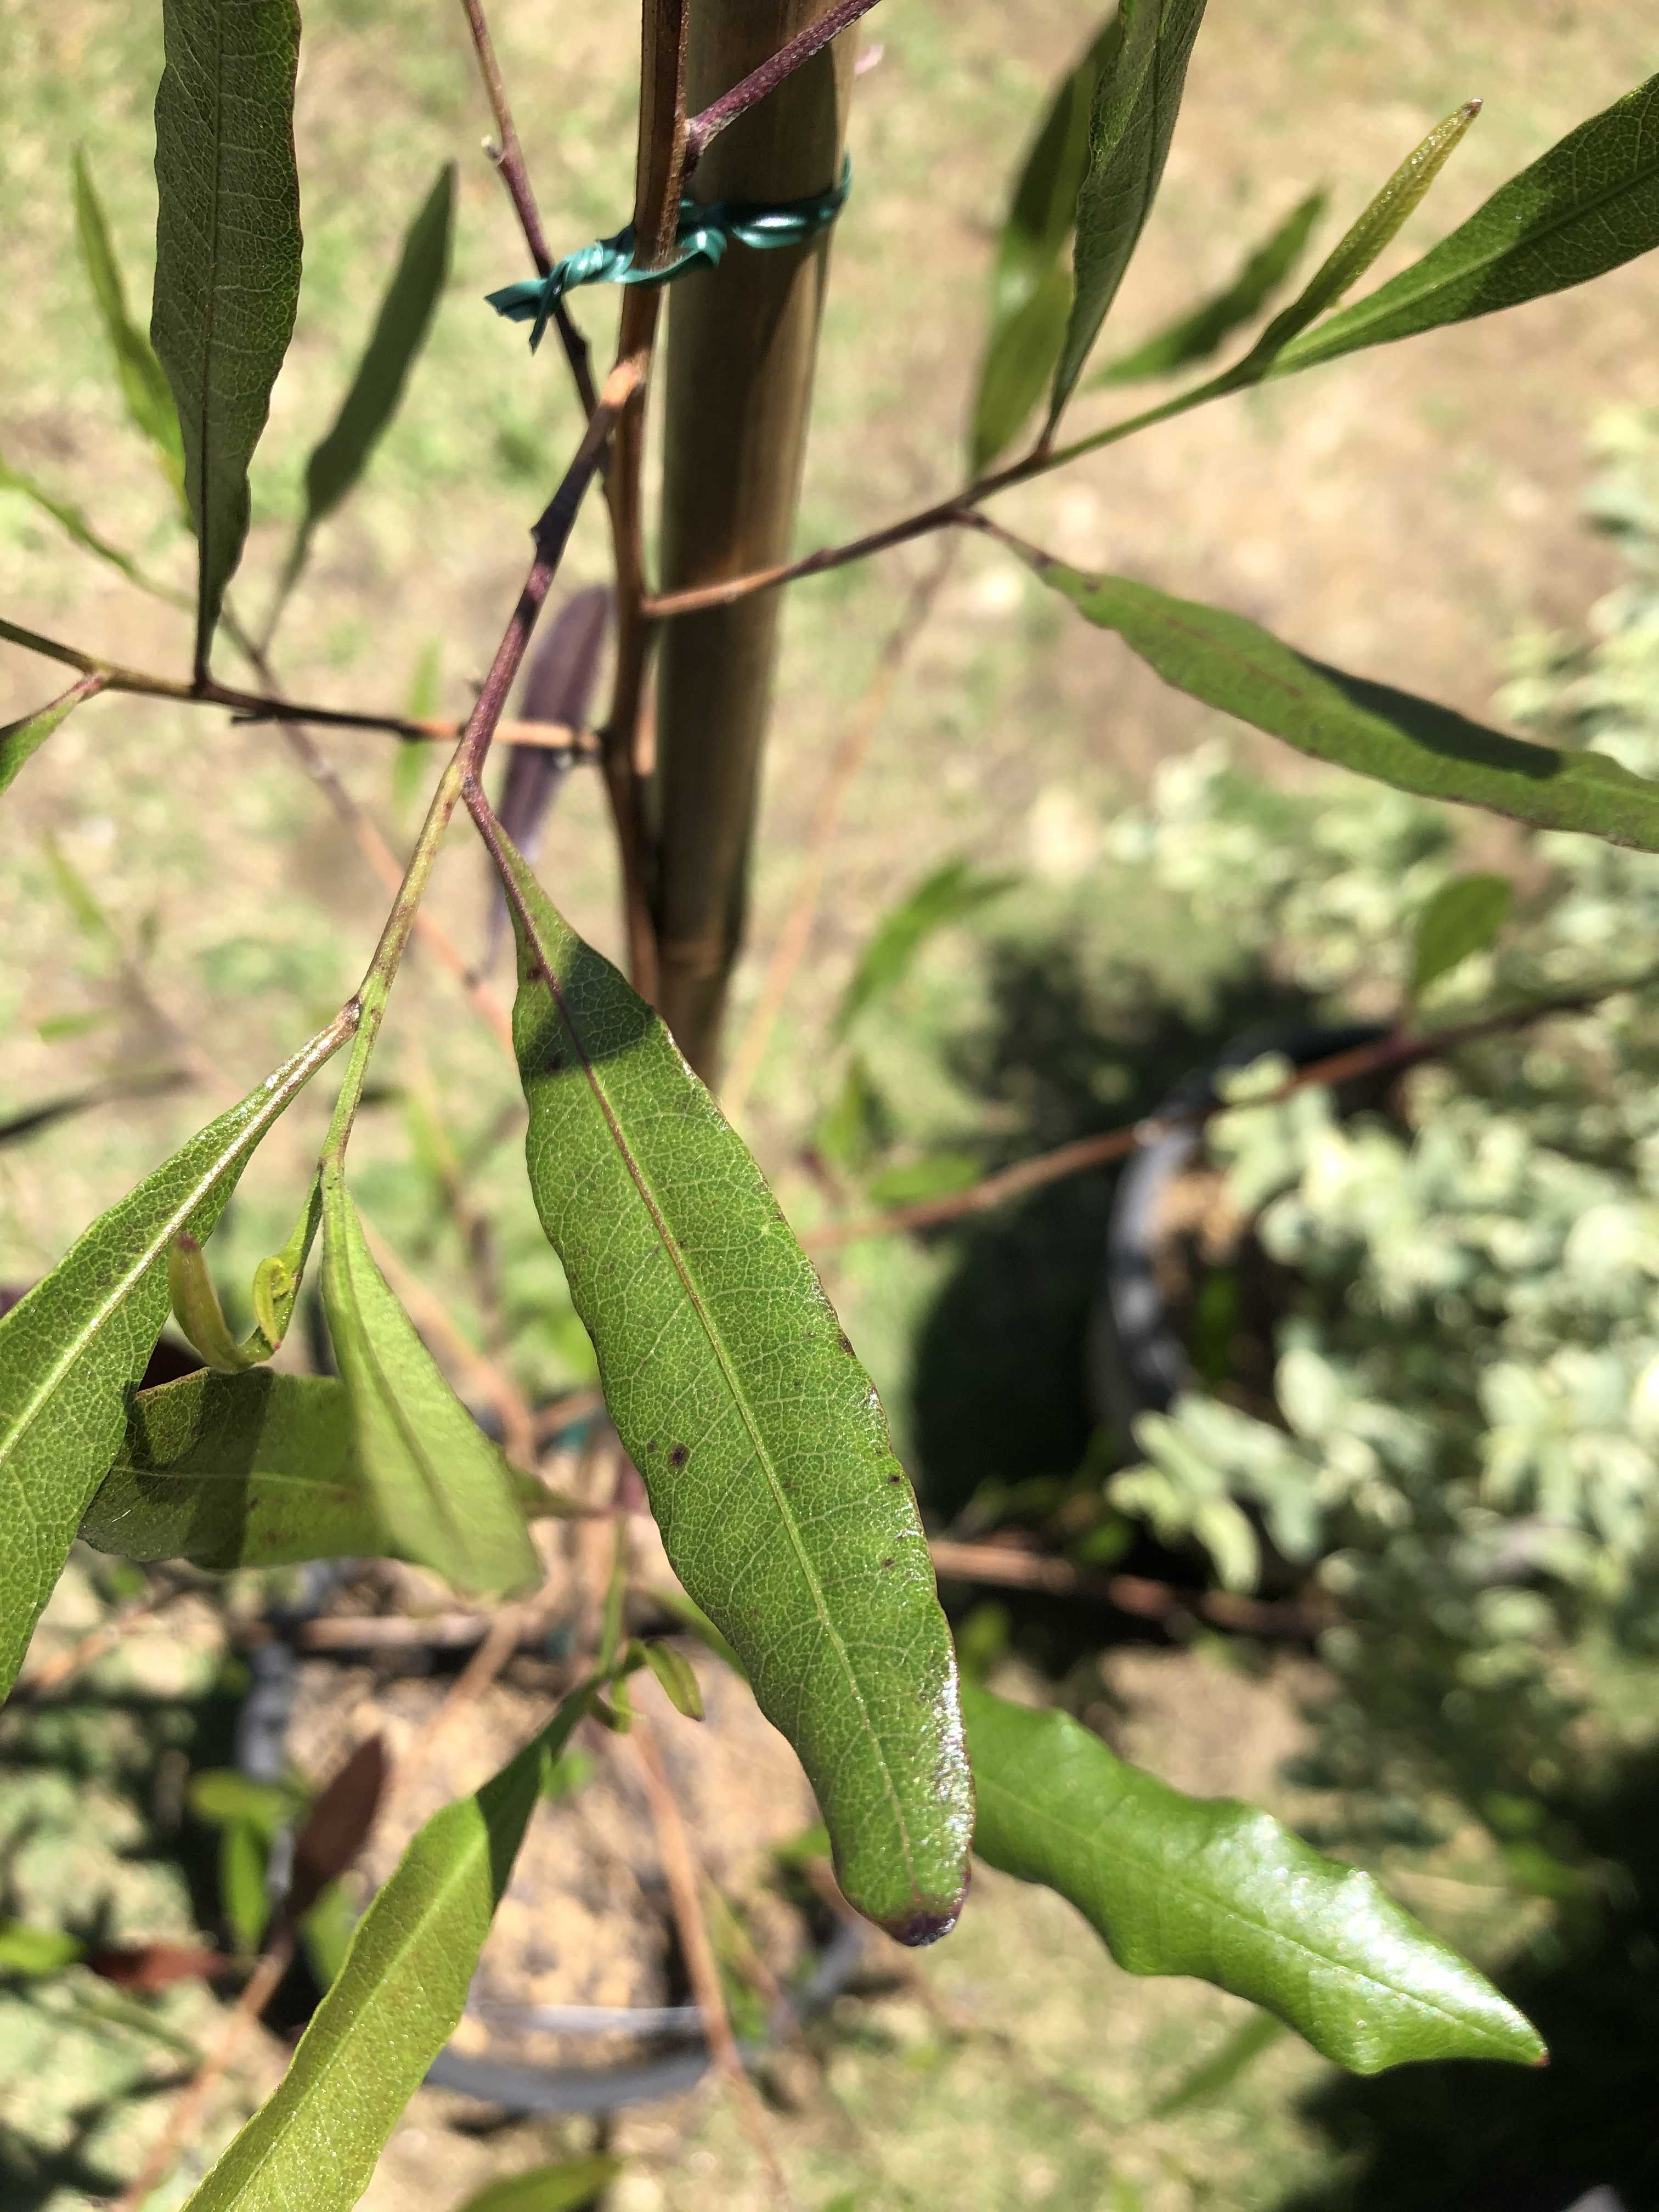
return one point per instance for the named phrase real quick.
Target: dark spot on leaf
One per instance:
(887, 1563)
(896, 1478)
(924, 1927)
(679, 1455)
(845, 1341)
(555, 1062)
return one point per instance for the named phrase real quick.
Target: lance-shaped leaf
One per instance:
(1462, 918)
(736, 1394)
(72, 1350)
(1023, 339)
(21, 739)
(393, 2005)
(443, 1492)
(227, 254)
(1179, 1885)
(1587, 205)
(1136, 103)
(1203, 330)
(565, 2186)
(400, 330)
(144, 382)
(253, 1470)
(1233, 663)
(950, 894)
(74, 525)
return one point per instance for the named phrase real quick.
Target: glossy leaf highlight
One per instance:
(1587, 206)
(1233, 663)
(1210, 1886)
(144, 389)
(444, 1492)
(736, 1396)
(1132, 121)
(227, 254)
(71, 1352)
(400, 332)
(393, 2005)
(20, 740)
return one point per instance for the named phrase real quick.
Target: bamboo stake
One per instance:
(742, 341)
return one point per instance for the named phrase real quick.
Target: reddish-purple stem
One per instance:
(760, 82)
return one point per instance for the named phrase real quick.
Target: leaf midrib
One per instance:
(671, 1246)
(1300, 351)
(1041, 1815)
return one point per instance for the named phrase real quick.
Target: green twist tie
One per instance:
(701, 238)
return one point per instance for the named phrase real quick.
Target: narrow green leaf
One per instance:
(564, 2186)
(1133, 117)
(34, 1952)
(70, 519)
(227, 254)
(1203, 330)
(395, 2003)
(678, 1680)
(400, 330)
(1232, 664)
(20, 740)
(326, 1932)
(71, 1350)
(1587, 206)
(765, 1452)
(195, 1308)
(223, 1796)
(144, 382)
(1019, 361)
(78, 896)
(1178, 1885)
(1213, 2077)
(950, 894)
(1023, 338)
(442, 1489)
(244, 1898)
(1462, 918)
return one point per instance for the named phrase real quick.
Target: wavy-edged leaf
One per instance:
(1203, 330)
(1210, 1886)
(564, 2186)
(393, 2005)
(950, 894)
(1233, 662)
(442, 1489)
(1587, 206)
(1023, 342)
(144, 387)
(227, 254)
(761, 1443)
(400, 332)
(74, 524)
(20, 740)
(253, 1470)
(1132, 121)
(1462, 918)
(73, 1350)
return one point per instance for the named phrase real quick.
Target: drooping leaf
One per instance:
(678, 1679)
(227, 254)
(1213, 2076)
(1233, 663)
(442, 1489)
(337, 1825)
(950, 894)
(244, 1897)
(400, 332)
(1462, 918)
(1587, 206)
(70, 519)
(766, 1455)
(72, 1350)
(144, 387)
(393, 2005)
(1023, 339)
(1199, 333)
(1178, 1885)
(1133, 120)
(21, 739)
(565, 2186)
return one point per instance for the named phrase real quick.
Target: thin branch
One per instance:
(182, 2121)
(796, 933)
(269, 707)
(1007, 1567)
(1390, 1055)
(749, 91)
(679, 1866)
(509, 158)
